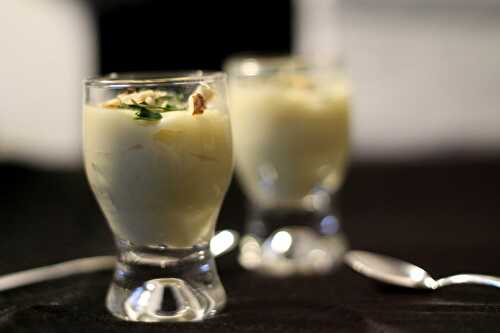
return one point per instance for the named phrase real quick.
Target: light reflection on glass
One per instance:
(250, 67)
(329, 225)
(250, 252)
(281, 242)
(318, 258)
(221, 242)
(144, 299)
(267, 174)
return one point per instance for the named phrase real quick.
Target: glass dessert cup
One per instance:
(290, 130)
(158, 157)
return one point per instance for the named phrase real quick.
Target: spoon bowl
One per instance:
(404, 274)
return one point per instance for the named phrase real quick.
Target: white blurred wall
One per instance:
(426, 74)
(47, 48)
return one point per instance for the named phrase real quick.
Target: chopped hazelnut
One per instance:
(197, 103)
(206, 91)
(113, 103)
(150, 100)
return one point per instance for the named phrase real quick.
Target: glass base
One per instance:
(155, 284)
(292, 242)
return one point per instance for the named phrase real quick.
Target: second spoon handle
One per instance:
(484, 280)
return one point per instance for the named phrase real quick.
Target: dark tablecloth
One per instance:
(442, 215)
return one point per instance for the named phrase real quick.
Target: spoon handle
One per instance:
(484, 280)
(56, 271)
(223, 242)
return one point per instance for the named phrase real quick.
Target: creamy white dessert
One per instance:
(160, 179)
(291, 136)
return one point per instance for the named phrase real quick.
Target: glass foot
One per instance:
(291, 243)
(156, 285)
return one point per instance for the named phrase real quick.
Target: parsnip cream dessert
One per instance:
(159, 167)
(290, 135)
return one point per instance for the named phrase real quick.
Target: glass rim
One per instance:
(151, 78)
(248, 65)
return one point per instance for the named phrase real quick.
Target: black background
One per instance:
(442, 214)
(169, 35)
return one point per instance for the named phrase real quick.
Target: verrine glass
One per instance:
(158, 157)
(291, 136)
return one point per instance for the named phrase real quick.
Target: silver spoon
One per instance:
(222, 242)
(400, 273)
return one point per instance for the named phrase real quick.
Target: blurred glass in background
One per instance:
(426, 72)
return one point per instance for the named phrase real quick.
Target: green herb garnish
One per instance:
(166, 98)
(145, 114)
(155, 106)
(153, 112)
(173, 107)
